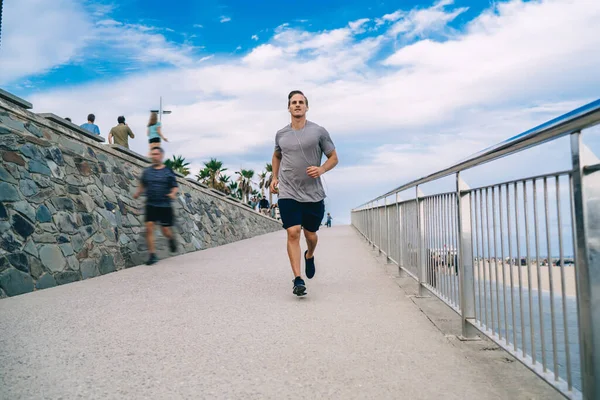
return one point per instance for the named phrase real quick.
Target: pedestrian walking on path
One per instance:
(155, 131)
(160, 185)
(297, 170)
(90, 126)
(121, 133)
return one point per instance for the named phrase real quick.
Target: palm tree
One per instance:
(269, 169)
(234, 189)
(203, 176)
(262, 184)
(245, 183)
(223, 184)
(178, 164)
(215, 168)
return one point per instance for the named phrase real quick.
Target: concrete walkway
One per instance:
(223, 324)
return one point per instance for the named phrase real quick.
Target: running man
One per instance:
(160, 184)
(299, 148)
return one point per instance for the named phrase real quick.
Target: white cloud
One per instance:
(425, 106)
(358, 25)
(224, 19)
(254, 37)
(198, 26)
(52, 38)
(63, 24)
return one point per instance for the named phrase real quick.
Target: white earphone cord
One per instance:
(306, 158)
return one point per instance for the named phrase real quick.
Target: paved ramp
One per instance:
(223, 324)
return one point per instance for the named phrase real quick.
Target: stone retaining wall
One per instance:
(67, 212)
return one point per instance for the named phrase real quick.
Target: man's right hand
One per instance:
(273, 186)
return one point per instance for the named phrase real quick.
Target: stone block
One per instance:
(13, 157)
(66, 249)
(88, 268)
(19, 261)
(38, 167)
(52, 258)
(77, 243)
(3, 212)
(15, 282)
(8, 192)
(5, 176)
(67, 277)
(43, 214)
(21, 226)
(107, 264)
(24, 208)
(65, 222)
(28, 187)
(45, 281)
(73, 263)
(35, 267)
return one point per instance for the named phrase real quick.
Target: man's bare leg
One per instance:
(150, 236)
(166, 231)
(293, 248)
(311, 241)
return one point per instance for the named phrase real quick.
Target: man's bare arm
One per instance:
(332, 161)
(139, 191)
(276, 163)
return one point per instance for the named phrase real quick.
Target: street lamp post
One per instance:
(160, 111)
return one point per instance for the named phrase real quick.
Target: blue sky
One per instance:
(404, 88)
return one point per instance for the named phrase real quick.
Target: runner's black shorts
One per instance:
(161, 215)
(154, 140)
(308, 215)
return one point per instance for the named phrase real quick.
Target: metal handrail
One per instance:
(531, 217)
(581, 118)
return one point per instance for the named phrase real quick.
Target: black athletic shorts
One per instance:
(161, 215)
(308, 215)
(154, 140)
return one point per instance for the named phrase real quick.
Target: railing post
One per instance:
(387, 230)
(421, 261)
(400, 233)
(586, 209)
(380, 225)
(465, 260)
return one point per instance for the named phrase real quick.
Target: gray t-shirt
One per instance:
(294, 182)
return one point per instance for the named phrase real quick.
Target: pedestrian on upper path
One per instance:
(155, 131)
(90, 126)
(160, 185)
(297, 170)
(120, 133)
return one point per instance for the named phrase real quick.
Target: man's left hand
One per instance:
(172, 196)
(315, 172)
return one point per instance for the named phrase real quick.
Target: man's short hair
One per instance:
(91, 118)
(294, 92)
(159, 149)
(121, 119)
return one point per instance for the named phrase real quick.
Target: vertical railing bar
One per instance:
(436, 230)
(479, 272)
(489, 255)
(523, 341)
(563, 286)
(502, 263)
(485, 302)
(531, 322)
(550, 280)
(455, 277)
(539, 274)
(473, 245)
(442, 228)
(496, 260)
(510, 267)
(450, 257)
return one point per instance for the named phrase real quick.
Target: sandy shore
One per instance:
(490, 274)
(569, 277)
